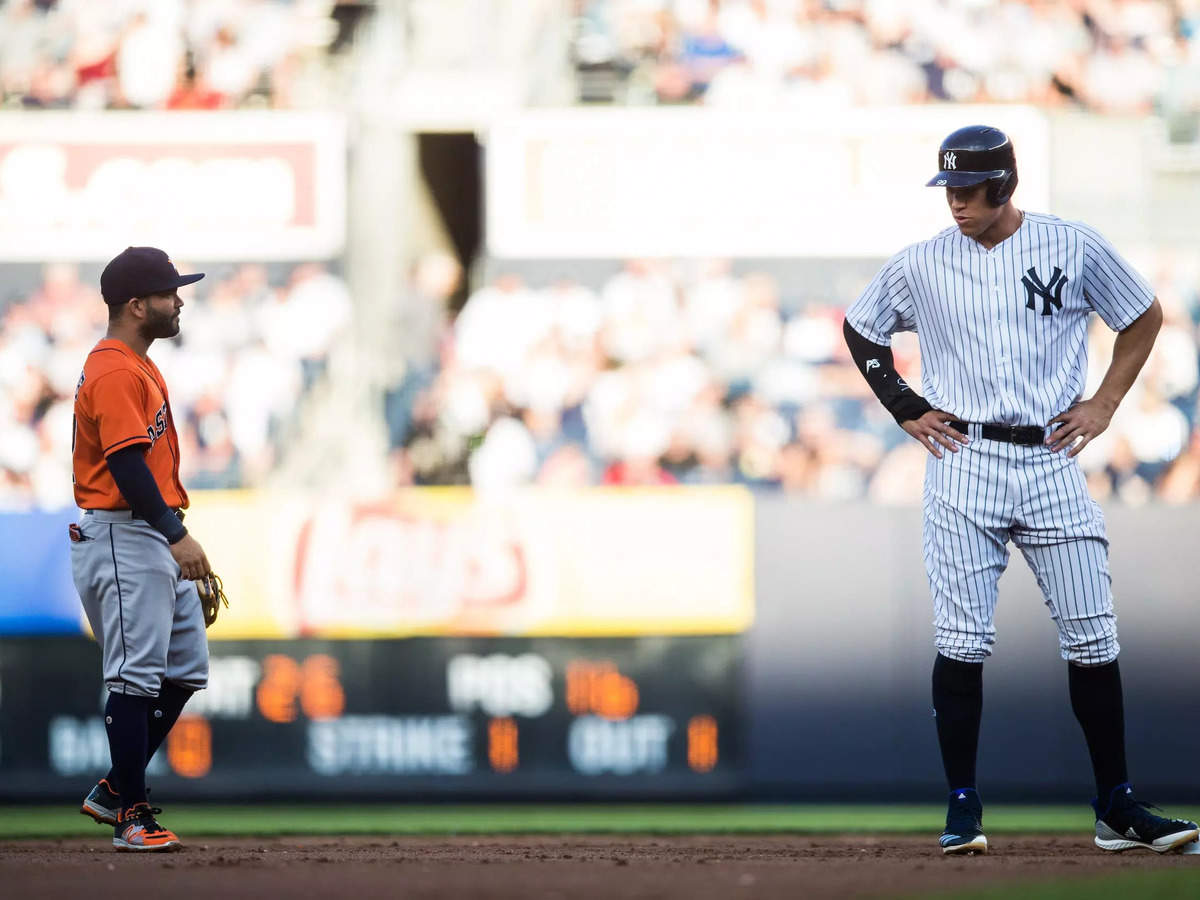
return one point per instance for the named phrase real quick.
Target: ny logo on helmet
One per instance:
(948, 159)
(1050, 292)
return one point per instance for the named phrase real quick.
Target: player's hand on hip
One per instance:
(1078, 425)
(189, 554)
(934, 432)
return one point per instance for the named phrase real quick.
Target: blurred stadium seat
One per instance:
(252, 345)
(697, 372)
(1103, 55)
(171, 54)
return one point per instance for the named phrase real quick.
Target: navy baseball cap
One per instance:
(139, 272)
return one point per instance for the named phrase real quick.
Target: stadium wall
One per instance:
(839, 660)
(792, 666)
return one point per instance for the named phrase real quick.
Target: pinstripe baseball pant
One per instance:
(991, 492)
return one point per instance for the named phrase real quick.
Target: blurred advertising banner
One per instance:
(439, 561)
(38, 595)
(445, 561)
(614, 183)
(396, 717)
(211, 185)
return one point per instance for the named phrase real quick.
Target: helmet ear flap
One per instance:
(1001, 190)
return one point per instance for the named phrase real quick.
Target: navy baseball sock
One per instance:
(126, 723)
(957, 709)
(1098, 704)
(162, 713)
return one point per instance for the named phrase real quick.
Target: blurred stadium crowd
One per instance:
(170, 54)
(667, 372)
(249, 348)
(1119, 56)
(698, 373)
(1123, 56)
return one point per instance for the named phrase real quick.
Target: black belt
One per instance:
(1029, 435)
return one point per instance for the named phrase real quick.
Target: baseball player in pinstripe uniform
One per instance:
(1000, 304)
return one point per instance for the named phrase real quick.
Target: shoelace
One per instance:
(144, 816)
(1143, 812)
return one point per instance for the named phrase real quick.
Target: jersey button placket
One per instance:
(1004, 360)
(996, 301)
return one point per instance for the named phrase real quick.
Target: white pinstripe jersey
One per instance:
(1003, 332)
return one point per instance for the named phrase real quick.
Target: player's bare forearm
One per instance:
(1085, 420)
(1130, 352)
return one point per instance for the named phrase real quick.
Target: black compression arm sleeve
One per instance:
(877, 365)
(136, 484)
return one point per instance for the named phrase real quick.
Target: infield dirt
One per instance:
(549, 867)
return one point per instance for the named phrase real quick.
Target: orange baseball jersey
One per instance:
(120, 401)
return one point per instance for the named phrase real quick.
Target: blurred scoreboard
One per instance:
(418, 717)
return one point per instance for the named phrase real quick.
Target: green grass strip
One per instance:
(449, 819)
(1166, 884)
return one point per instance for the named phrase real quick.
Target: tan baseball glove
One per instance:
(212, 595)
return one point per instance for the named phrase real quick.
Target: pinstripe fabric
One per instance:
(990, 493)
(985, 356)
(1004, 339)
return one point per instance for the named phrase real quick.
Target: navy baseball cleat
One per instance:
(1128, 824)
(964, 824)
(102, 804)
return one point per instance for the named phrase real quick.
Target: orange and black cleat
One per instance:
(138, 830)
(102, 804)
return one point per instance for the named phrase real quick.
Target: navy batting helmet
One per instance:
(974, 154)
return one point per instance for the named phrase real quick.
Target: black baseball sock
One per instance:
(1098, 704)
(125, 719)
(958, 707)
(162, 713)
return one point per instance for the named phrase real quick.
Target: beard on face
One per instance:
(159, 324)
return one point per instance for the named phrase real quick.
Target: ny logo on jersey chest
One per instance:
(1050, 291)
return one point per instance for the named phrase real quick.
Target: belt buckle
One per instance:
(1013, 434)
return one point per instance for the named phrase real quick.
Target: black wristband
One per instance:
(169, 526)
(909, 406)
(129, 470)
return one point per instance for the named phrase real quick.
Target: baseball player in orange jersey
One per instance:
(132, 559)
